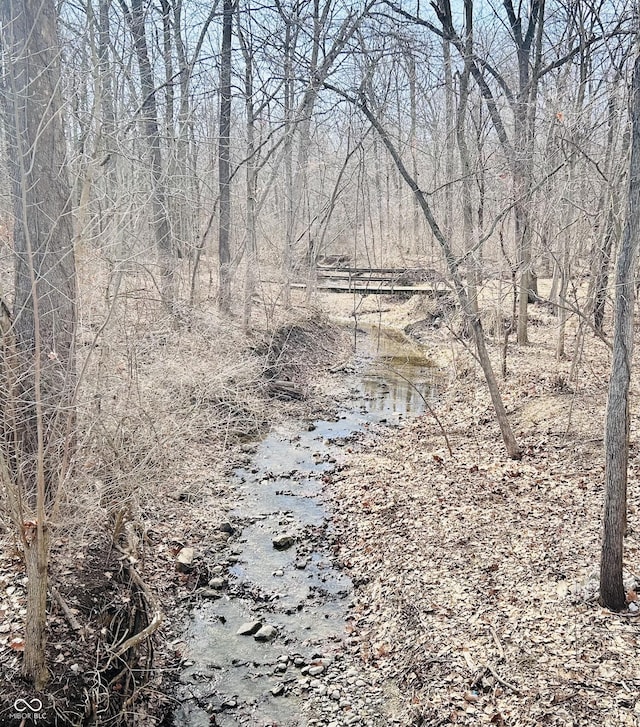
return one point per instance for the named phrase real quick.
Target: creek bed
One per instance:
(280, 575)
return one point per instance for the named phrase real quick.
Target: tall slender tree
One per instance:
(617, 424)
(39, 342)
(224, 159)
(135, 16)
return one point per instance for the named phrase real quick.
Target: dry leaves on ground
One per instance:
(478, 575)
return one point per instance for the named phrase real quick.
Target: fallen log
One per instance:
(285, 390)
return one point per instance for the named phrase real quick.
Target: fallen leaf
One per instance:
(17, 644)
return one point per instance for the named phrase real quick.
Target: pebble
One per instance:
(210, 593)
(184, 559)
(315, 671)
(266, 633)
(249, 628)
(282, 542)
(344, 694)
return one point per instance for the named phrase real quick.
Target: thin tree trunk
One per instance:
(612, 593)
(449, 140)
(562, 296)
(107, 122)
(290, 39)
(415, 247)
(513, 450)
(149, 113)
(224, 165)
(564, 262)
(465, 163)
(186, 151)
(608, 207)
(45, 297)
(251, 183)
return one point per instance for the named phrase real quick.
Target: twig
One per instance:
(497, 640)
(339, 367)
(500, 680)
(626, 614)
(428, 407)
(136, 639)
(73, 621)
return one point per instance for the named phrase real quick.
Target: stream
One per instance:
(282, 603)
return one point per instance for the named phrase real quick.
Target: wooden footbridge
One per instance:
(378, 281)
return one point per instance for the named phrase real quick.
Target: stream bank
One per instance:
(268, 644)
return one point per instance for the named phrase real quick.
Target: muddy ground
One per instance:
(474, 577)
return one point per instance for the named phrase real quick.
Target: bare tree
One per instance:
(514, 130)
(39, 342)
(135, 16)
(466, 304)
(251, 176)
(617, 425)
(224, 163)
(609, 206)
(465, 163)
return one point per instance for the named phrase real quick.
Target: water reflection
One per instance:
(396, 376)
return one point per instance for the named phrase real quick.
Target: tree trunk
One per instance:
(290, 39)
(612, 593)
(413, 146)
(149, 112)
(523, 104)
(465, 163)
(449, 125)
(224, 161)
(562, 298)
(40, 413)
(608, 208)
(251, 182)
(513, 450)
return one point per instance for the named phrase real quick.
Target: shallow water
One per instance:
(297, 590)
(396, 378)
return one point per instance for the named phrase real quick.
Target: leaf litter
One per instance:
(477, 576)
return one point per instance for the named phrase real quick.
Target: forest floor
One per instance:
(475, 577)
